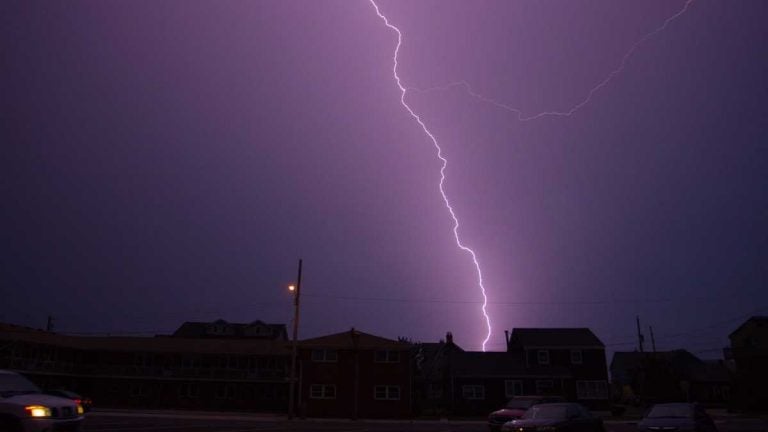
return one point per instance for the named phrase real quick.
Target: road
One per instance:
(137, 421)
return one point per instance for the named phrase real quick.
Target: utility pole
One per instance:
(639, 334)
(292, 383)
(653, 340)
(49, 324)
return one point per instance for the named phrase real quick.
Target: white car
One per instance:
(24, 408)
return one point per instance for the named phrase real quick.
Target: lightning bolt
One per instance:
(604, 82)
(444, 162)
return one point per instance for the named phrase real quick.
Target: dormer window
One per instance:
(543, 357)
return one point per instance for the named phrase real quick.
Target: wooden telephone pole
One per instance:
(292, 383)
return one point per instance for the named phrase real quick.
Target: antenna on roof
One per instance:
(640, 337)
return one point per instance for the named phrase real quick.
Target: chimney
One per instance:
(449, 338)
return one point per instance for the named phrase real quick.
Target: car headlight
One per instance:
(80, 409)
(37, 411)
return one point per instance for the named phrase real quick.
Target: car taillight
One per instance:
(78, 401)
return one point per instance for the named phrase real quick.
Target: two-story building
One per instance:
(567, 362)
(749, 351)
(669, 376)
(578, 355)
(354, 375)
(228, 373)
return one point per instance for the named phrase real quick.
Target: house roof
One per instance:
(9, 332)
(554, 337)
(499, 364)
(758, 320)
(353, 339)
(194, 329)
(680, 360)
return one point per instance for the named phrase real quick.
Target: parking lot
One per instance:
(139, 421)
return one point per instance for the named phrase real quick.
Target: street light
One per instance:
(296, 290)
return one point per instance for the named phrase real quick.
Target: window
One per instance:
(324, 355)
(225, 391)
(322, 391)
(473, 392)
(576, 357)
(543, 357)
(513, 388)
(386, 392)
(188, 390)
(387, 356)
(137, 390)
(591, 390)
(544, 387)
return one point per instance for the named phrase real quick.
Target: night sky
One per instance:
(169, 161)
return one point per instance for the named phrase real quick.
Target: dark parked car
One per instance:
(555, 417)
(515, 408)
(87, 403)
(677, 417)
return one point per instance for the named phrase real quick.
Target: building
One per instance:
(549, 362)
(556, 350)
(432, 391)
(669, 376)
(354, 375)
(154, 372)
(749, 351)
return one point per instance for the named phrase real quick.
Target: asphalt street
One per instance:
(137, 421)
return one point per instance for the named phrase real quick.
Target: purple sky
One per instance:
(171, 161)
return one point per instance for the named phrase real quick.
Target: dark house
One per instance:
(484, 381)
(575, 350)
(555, 362)
(432, 391)
(749, 351)
(354, 375)
(669, 376)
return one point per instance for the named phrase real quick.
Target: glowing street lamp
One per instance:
(296, 290)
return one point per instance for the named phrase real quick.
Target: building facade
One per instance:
(153, 372)
(354, 375)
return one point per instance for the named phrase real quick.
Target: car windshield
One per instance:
(520, 403)
(547, 412)
(670, 411)
(12, 385)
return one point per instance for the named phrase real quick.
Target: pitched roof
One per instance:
(554, 337)
(680, 360)
(757, 320)
(353, 339)
(194, 329)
